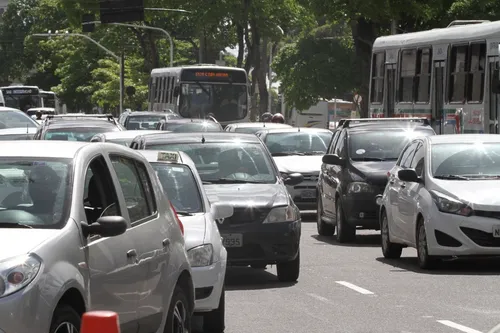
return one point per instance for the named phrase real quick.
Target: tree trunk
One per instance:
(155, 59)
(241, 45)
(261, 76)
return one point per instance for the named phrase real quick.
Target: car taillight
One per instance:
(178, 219)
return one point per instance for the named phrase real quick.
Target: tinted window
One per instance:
(407, 155)
(340, 145)
(34, 191)
(12, 119)
(418, 160)
(381, 144)
(179, 183)
(144, 121)
(75, 134)
(298, 142)
(480, 160)
(249, 130)
(227, 162)
(206, 126)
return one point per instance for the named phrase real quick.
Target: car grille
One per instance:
(488, 214)
(245, 215)
(308, 177)
(481, 238)
(313, 177)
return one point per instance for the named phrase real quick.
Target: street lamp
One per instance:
(102, 47)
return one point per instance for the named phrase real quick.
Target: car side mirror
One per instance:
(106, 226)
(294, 179)
(332, 159)
(222, 211)
(409, 175)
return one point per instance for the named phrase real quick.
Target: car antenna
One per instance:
(298, 128)
(27, 131)
(202, 138)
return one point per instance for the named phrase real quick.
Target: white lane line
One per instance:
(320, 298)
(458, 326)
(355, 288)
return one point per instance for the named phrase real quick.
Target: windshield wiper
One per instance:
(14, 225)
(182, 213)
(369, 159)
(233, 181)
(315, 153)
(451, 177)
(287, 154)
(206, 183)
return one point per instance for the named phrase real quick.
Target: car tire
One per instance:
(389, 250)
(425, 261)
(215, 321)
(258, 266)
(345, 232)
(65, 316)
(289, 271)
(324, 229)
(179, 314)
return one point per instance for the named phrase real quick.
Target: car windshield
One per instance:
(227, 162)
(179, 183)
(248, 130)
(12, 119)
(34, 192)
(205, 126)
(144, 122)
(303, 143)
(470, 160)
(74, 133)
(382, 144)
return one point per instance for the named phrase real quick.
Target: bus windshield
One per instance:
(226, 102)
(22, 102)
(49, 100)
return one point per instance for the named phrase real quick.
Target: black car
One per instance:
(145, 120)
(76, 127)
(237, 169)
(354, 173)
(190, 125)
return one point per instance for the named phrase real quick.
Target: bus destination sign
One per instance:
(19, 91)
(214, 75)
(211, 74)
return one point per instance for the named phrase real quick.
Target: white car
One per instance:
(208, 257)
(442, 198)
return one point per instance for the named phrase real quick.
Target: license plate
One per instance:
(308, 194)
(496, 231)
(232, 240)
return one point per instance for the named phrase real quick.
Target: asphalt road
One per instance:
(351, 289)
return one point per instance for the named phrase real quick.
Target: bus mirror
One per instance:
(495, 82)
(176, 91)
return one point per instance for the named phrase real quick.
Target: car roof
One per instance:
(388, 126)
(129, 134)
(464, 138)
(40, 148)
(81, 123)
(257, 124)
(6, 108)
(147, 113)
(152, 157)
(195, 137)
(18, 130)
(190, 120)
(296, 129)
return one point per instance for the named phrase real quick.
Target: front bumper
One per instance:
(361, 209)
(208, 283)
(304, 195)
(455, 235)
(263, 243)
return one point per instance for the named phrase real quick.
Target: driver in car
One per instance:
(42, 188)
(230, 164)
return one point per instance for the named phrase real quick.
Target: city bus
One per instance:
(2, 101)
(21, 97)
(200, 90)
(49, 100)
(448, 75)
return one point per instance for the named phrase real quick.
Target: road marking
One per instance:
(355, 288)
(458, 326)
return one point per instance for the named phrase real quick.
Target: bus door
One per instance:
(494, 100)
(390, 89)
(438, 121)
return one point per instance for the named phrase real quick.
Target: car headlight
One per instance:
(358, 187)
(17, 273)
(447, 204)
(201, 256)
(283, 214)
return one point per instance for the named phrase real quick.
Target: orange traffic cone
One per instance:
(100, 322)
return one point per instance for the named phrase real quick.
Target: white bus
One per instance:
(197, 91)
(448, 75)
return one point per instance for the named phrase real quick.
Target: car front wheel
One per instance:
(289, 271)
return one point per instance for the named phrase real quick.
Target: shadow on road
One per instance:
(246, 278)
(474, 266)
(361, 241)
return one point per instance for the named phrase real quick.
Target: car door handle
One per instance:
(165, 242)
(131, 253)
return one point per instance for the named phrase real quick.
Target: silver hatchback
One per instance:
(87, 226)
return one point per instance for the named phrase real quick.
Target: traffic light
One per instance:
(121, 11)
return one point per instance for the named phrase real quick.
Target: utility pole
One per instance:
(122, 81)
(394, 27)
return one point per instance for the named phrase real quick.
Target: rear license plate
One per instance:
(232, 240)
(308, 194)
(496, 231)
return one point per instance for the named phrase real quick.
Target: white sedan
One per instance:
(442, 199)
(207, 255)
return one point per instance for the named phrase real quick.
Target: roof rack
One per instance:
(459, 23)
(346, 123)
(66, 116)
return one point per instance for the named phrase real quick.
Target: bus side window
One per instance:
(458, 73)
(407, 79)
(377, 87)
(157, 90)
(475, 81)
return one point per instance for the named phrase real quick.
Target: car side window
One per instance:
(340, 145)
(407, 156)
(332, 143)
(147, 185)
(99, 193)
(418, 160)
(133, 189)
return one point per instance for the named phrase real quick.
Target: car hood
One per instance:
(16, 241)
(301, 164)
(258, 195)
(194, 230)
(478, 194)
(373, 172)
